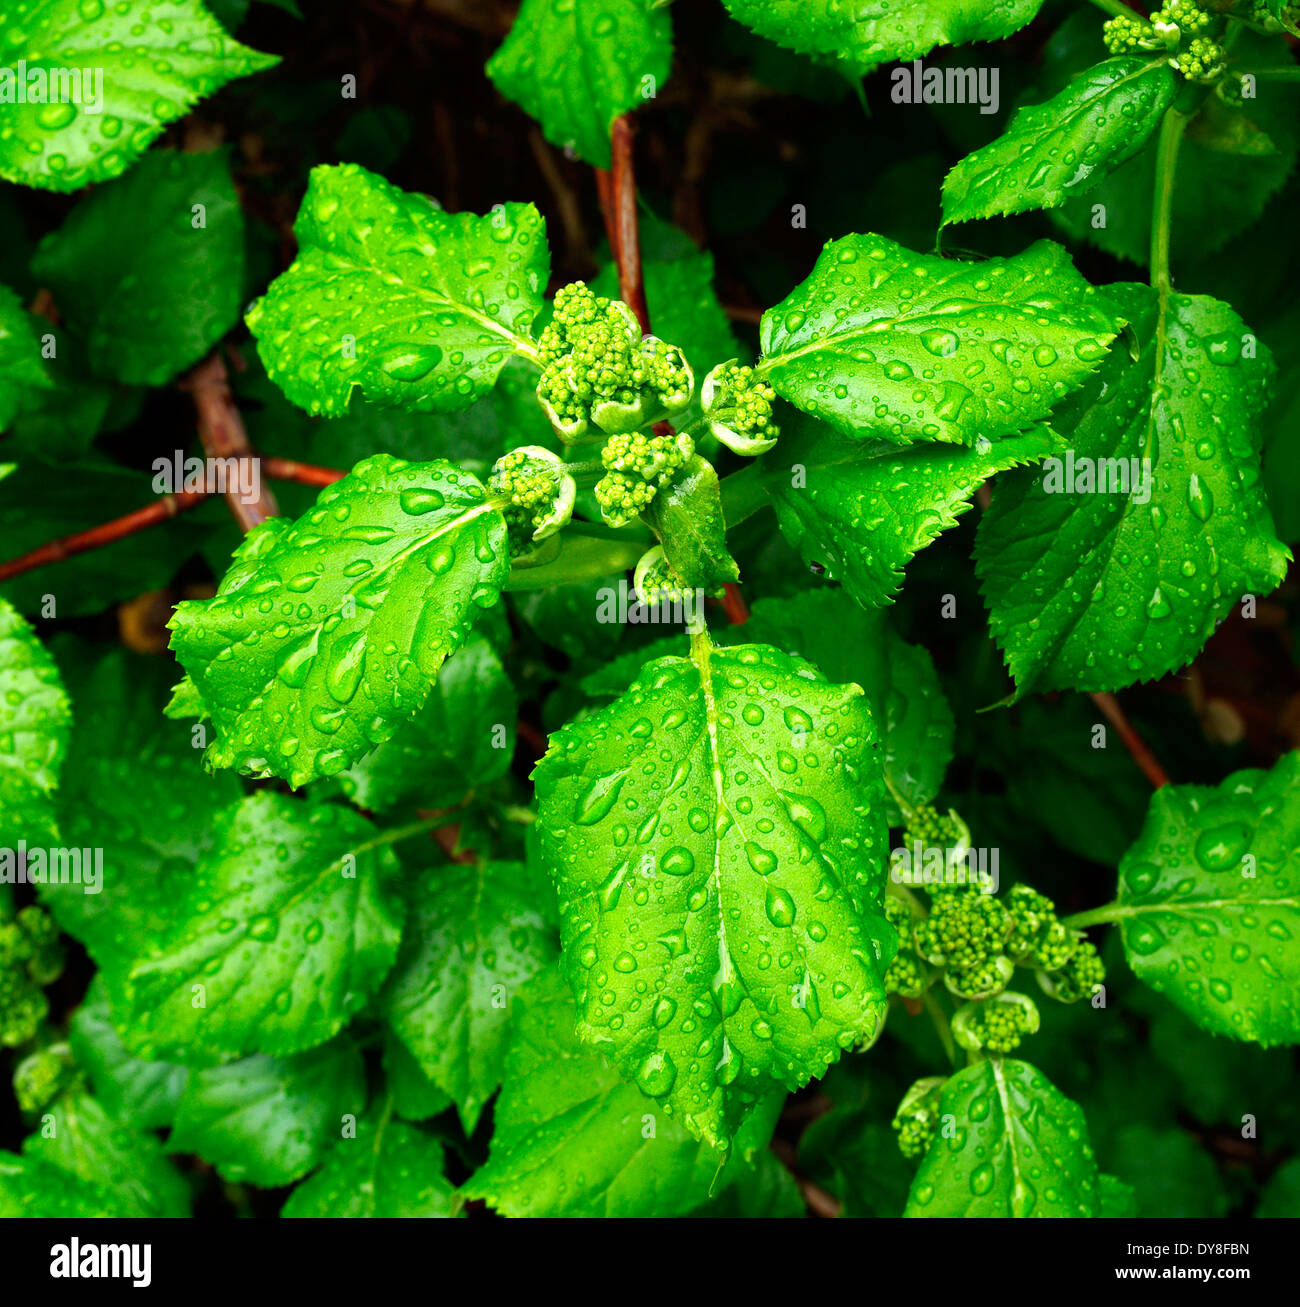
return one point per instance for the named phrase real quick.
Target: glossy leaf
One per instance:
(150, 306)
(328, 632)
(30, 1187)
(687, 515)
(290, 923)
(1064, 147)
(716, 839)
(473, 938)
(1094, 591)
(1209, 902)
(114, 73)
(884, 343)
(864, 35)
(1019, 1147)
(418, 308)
(861, 510)
(21, 371)
(576, 65)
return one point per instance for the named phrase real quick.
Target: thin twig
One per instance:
(221, 431)
(627, 241)
(818, 1201)
(305, 474)
(1135, 744)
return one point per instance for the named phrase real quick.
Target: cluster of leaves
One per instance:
(300, 985)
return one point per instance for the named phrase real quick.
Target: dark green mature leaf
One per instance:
(327, 632)
(267, 1121)
(572, 1138)
(687, 514)
(857, 1158)
(87, 1142)
(21, 371)
(462, 738)
(34, 720)
(145, 1094)
(1281, 1196)
(415, 1097)
(112, 74)
(418, 308)
(1209, 902)
(1094, 591)
(884, 343)
(762, 1189)
(1169, 1174)
(30, 1187)
(473, 938)
(387, 1169)
(1019, 1148)
(1054, 151)
(289, 925)
(716, 838)
(152, 305)
(861, 510)
(1115, 1197)
(866, 33)
(575, 65)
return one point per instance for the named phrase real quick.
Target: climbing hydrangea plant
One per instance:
(471, 802)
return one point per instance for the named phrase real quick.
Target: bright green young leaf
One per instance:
(717, 840)
(34, 720)
(267, 1121)
(87, 1142)
(145, 1094)
(21, 371)
(572, 1138)
(290, 923)
(1209, 902)
(473, 938)
(866, 33)
(121, 745)
(1066, 146)
(687, 514)
(1094, 591)
(861, 510)
(884, 343)
(386, 1169)
(418, 308)
(103, 78)
(576, 65)
(1020, 1148)
(152, 305)
(328, 632)
(30, 1187)
(462, 738)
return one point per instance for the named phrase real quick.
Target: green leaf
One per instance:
(1209, 902)
(387, 1169)
(120, 745)
(865, 35)
(884, 343)
(1115, 1198)
(1064, 147)
(415, 1097)
(357, 605)
(762, 1189)
(84, 1140)
(572, 1138)
(474, 937)
(267, 1121)
(145, 1094)
(716, 837)
(687, 516)
(418, 308)
(1094, 591)
(857, 1158)
(34, 719)
(289, 925)
(1281, 1196)
(463, 738)
(112, 74)
(576, 65)
(861, 510)
(153, 305)
(1169, 1174)
(1019, 1147)
(30, 1187)
(21, 371)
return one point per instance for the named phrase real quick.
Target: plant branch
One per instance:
(1172, 127)
(222, 433)
(305, 474)
(625, 238)
(1117, 8)
(941, 1025)
(1133, 742)
(1101, 916)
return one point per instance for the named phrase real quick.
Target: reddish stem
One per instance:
(625, 238)
(1135, 744)
(285, 469)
